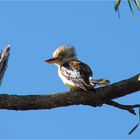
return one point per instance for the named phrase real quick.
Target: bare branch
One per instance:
(4, 56)
(100, 96)
(129, 108)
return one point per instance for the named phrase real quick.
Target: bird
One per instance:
(74, 73)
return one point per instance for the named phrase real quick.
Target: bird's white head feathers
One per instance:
(63, 54)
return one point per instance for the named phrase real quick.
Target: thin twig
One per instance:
(129, 108)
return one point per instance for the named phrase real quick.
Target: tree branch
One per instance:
(100, 96)
(4, 56)
(129, 108)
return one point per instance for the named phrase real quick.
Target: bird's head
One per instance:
(63, 54)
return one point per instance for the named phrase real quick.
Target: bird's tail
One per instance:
(102, 82)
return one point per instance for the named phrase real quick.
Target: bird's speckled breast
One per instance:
(62, 72)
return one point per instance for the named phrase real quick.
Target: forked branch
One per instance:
(129, 108)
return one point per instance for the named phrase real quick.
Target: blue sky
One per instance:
(108, 44)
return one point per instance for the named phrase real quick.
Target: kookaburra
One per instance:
(74, 73)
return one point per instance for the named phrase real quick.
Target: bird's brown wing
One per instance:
(78, 73)
(83, 69)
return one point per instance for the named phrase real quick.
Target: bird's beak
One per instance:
(52, 60)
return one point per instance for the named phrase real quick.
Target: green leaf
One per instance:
(132, 130)
(130, 6)
(137, 4)
(117, 3)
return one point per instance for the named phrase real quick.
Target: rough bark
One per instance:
(101, 95)
(4, 56)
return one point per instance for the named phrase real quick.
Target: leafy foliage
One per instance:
(136, 126)
(118, 2)
(116, 7)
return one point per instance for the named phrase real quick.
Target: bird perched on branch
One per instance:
(74, 73)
